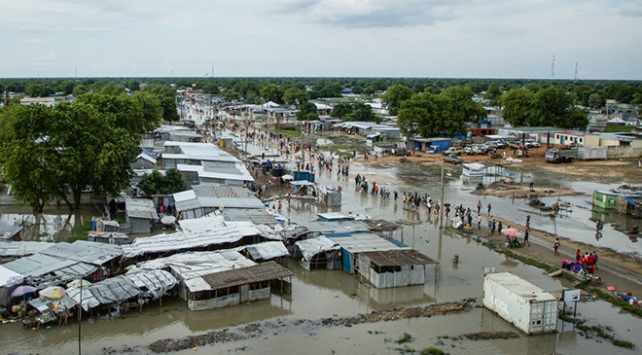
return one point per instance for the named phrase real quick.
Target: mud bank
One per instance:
(275, 327)
(490, 335)
(517, 191)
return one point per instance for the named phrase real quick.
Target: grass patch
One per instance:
(405, 338)
(288, 133)
(432, 351)
(612, 299)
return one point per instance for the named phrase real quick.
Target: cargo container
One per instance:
(524, 305)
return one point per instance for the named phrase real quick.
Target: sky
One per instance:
(322, 38)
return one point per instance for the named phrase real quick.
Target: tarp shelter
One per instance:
(319, 252)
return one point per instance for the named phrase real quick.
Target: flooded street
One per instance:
(323, 294)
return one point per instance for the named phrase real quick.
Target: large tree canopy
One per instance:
(430, 114)
(49, 152)
(551, 106)
(395, 95)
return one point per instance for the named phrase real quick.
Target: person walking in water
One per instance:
(479, 206)
(488, 209)
(556, 246)
(526, 238)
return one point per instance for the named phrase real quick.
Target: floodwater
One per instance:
(321, 293)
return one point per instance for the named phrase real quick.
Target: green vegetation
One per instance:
(288, 133)
(524, 259)
(612, 299)
(156, 183)
(551, 106)
(405, 338)
(432, 351)
(600, 331)
(616, 129)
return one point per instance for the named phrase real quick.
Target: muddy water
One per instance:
(321, 293)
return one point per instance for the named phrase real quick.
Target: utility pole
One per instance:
(575, 78)
(441, 209)
(553, 68)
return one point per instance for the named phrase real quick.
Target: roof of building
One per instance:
(9, 277)
(8, 232)
(198, 151)
(256, 216)
(21, 248)
(262, 272)
(427, 140)
(380, 225)
(85, 251)
(141, 208)
(365, 242)
(340, 227)
(398, 257)
(216, 195)
(196, 233)
(543, 129)
(266, 250)
(313, 246)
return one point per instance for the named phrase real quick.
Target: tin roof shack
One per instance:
(265, 251)
(393, 268)
(141, 215)
(42, 270)
(144, 160)
(330, 196)
(53, 310)
(10, 232)
(526, 306)
(108, 238)
(207, 198)
(121, 293)
(9, 280)
(384, 228)
(106, 257)
(382, 262)
(222, 278)
(238, 286)
(318, 253)
(436, 145)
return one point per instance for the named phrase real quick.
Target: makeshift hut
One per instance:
(318, 253)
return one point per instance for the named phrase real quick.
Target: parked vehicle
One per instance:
(524, 305)
(469, 149)
(454, 150)
(514, 145)
(531, 143)
(555, 155)
(500, 144)
(575, 145)
(480, 149)
(452, 159)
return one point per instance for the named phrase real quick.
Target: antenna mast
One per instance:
(553, 68)
(575, 78)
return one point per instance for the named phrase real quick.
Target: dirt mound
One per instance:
(254, 329)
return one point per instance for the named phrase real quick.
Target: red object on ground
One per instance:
(610, 288)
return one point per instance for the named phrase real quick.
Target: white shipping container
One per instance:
(524, 305)
(592, 153)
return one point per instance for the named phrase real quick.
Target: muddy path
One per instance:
(310, 326)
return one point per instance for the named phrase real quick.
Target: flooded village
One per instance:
(337, 237)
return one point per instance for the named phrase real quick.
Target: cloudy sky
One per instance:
(355, 38)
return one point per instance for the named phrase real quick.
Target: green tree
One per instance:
(1, 88)
(595, 101)
(518, 106)
(395, 95)
(170, 110)
(307, 111)
(463, 107)
(360, 112)
(173, 182)
(271, 92)
(136, 114)
(133, 85)
(80, 89)
(428, 115)
(550, 107)
(67, 87)
(152, 183)
(341, 110)
(295, 96)
(493, 94)
(36, 90)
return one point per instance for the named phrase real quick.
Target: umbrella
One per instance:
(78, 283)
(287, 177)
(511, 232)
(53, 293)
(23, 290)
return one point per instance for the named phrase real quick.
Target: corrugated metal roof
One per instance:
(262, 272)
(8, 232)
(112, 290)
(398, 257)
(215, 234)
(85, 251)
(313, 246)
(187, 266)
(339, 227)
(256, 216)
(155, 283)
(215, 195)
(9, 277)
(141, 208)
(267, 250)
(365, 242)
(17, 249)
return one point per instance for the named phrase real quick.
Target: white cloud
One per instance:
(460, 38)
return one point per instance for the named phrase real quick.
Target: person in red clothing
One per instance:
(591, 269)
(577, 255)
(591, 260)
